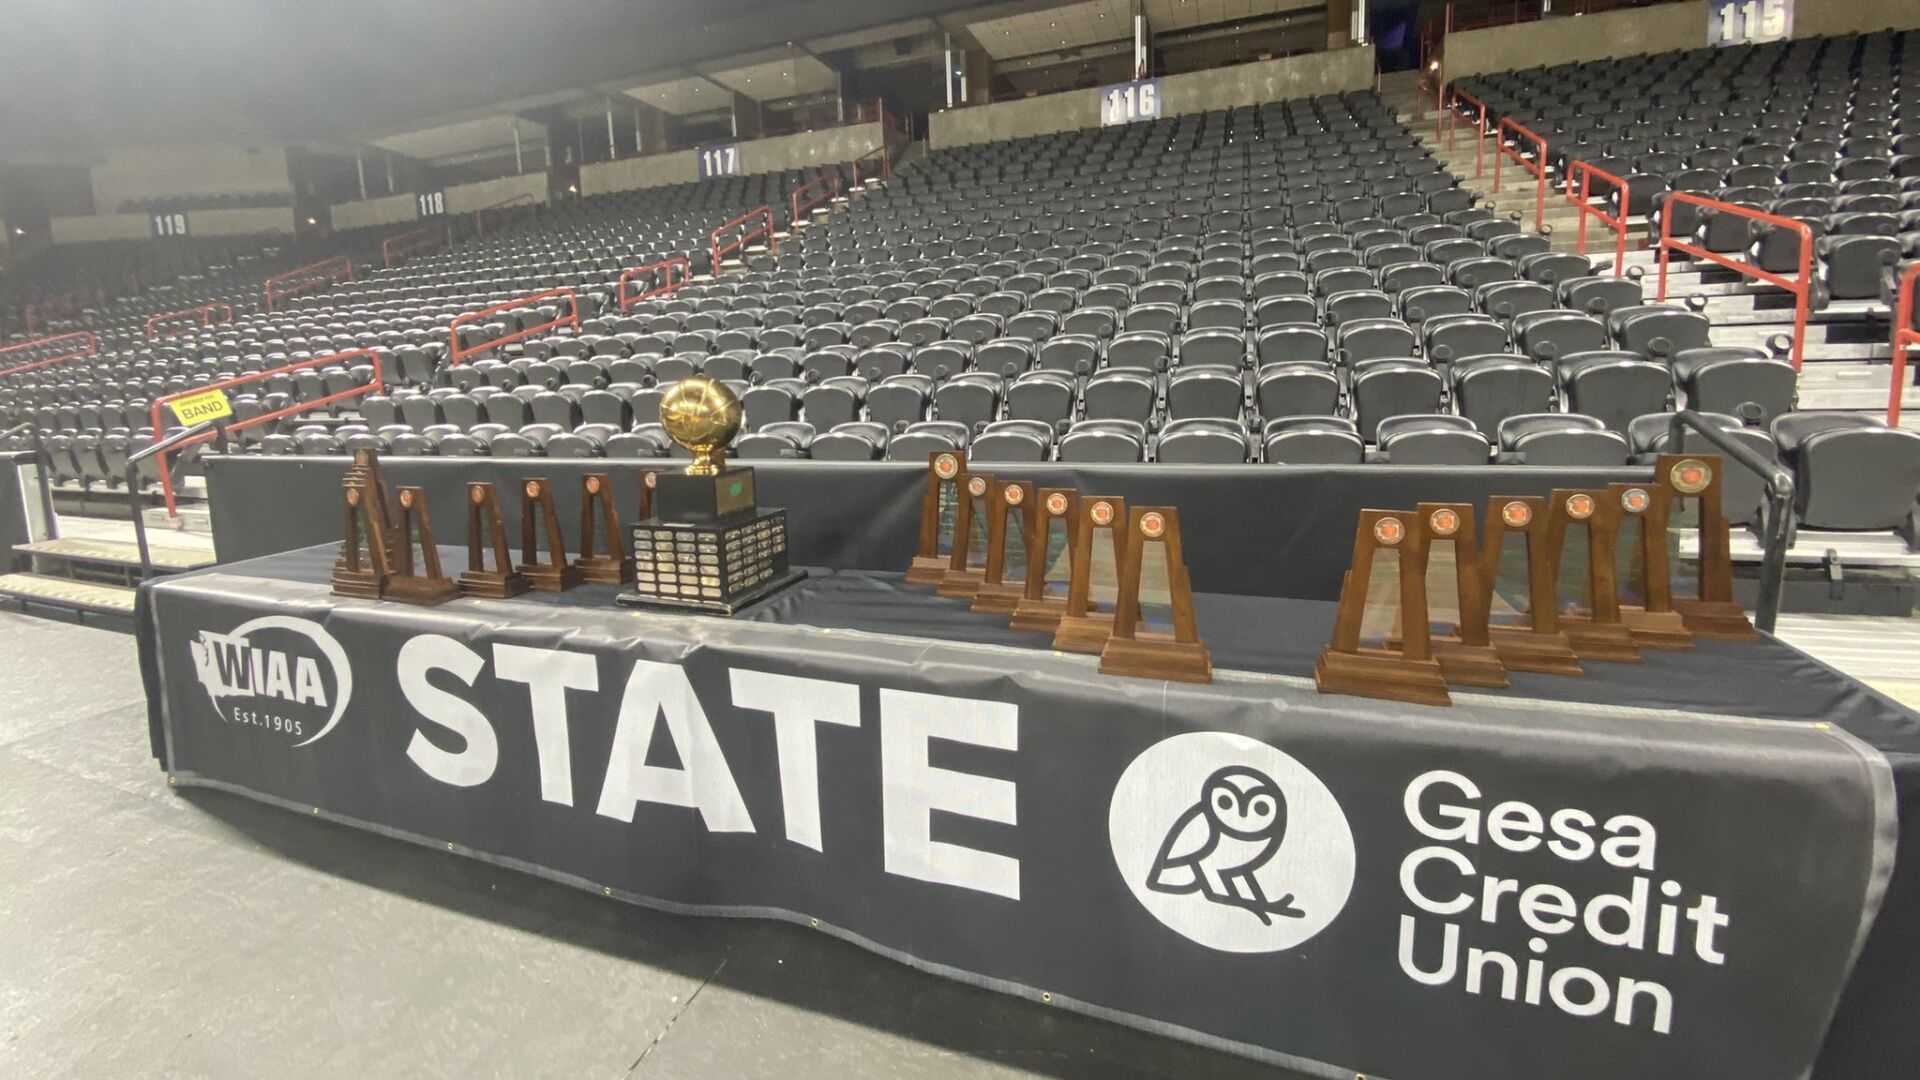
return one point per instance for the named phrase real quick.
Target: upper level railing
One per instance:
(480, 215)
(719, 250)
(205, 313)
(83, 343)
(1537, 167)
(875, 164)
(572, 318)
(1617, 221)
(817, 192)
(669, 282)
(396, 249)
(376, 386)
(1906, 337)
(1800, 285)
(306, 279)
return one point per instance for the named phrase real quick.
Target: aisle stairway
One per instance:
(1846, 357)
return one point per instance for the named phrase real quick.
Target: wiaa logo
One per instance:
(1231, 843)
(282, 674)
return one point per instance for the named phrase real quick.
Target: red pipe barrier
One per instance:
(395, 248)
(459, 355)
(1906, 336)
(92, 348)
(1479, 129)
(828, 187)
(718, 250)
(875, 164)
(205, 311)
(1537, 167)
(307, 279)
(667, 287)
(1618, 222)
(378, 385)
(1801, 285)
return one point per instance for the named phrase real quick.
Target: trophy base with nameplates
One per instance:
(709, 548)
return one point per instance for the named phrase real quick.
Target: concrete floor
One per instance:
(144, 934)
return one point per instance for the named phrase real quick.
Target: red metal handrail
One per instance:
(92, 348)
(1801, 286)
(378, 385)
(668, 284)
(875, 164)
(819, 191)
(1906, 336)
(1479, 129)
(1618, 222)
(411, 243)
(307, 279)
(1537, 167)
(718, 250)
(205, 311)
(479, 216)
(459, 355)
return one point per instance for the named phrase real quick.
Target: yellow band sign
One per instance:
(206, 405)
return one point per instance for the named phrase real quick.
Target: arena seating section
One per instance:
(1295, 283)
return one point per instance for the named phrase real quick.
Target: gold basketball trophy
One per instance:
(708, 547)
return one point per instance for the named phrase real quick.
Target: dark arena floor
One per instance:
(151, 934)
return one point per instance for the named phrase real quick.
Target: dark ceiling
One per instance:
(78, 77)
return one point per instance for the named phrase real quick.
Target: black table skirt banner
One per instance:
(1514, 888)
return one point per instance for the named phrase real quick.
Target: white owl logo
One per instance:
(1231, 842)
(1220, 843)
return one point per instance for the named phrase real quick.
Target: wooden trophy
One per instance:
(1038, 612)
(1466, 656)
(1599, 635)
(1535, 643)
(484, 531)
(536, 510)
(431, 586)
(1712, 612)
(1132, 651)
(649, 480)
(600, 525)
(1408, 673)
(944, 468)
(967, 567)
(366, 557)
(1083, 627)
(1654, 624)
(1010, 525)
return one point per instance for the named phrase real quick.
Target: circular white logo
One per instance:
(1231, 843)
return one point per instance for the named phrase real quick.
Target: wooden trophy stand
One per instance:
(944, 468)
(1083, 627)
(536, 510)
(1037, 612)
(600, 524)
(1655, 625)
(963, 576)
(484, 531)
(367, 513)
(1538, 645)
(1131, 651)
(431, 586)
(1466, 656)
(1601, 635)
(1712, 612)
(649, 480)
(1011, 498)
(1409, 673)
